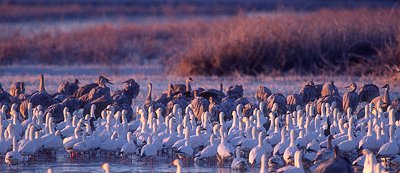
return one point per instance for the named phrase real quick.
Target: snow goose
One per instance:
(250, 142)
(264, 166)
(389, 149)
(5, 145)
(348, 145)
(148, 150)
(186, 151)
(279, 148)
(288, 155)
(13, 157)
(109, 145)
(30, 147)
(256, 152)
(52, 141)
(208, 152)
(129, 148)
(239, 163)
(82, 146)
(69, 142)
(225, 149)
(298, 165)
(275, 137)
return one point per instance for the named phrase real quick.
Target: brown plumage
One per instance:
(309, 92)
(217, 95)
(17, 88)
(350, 98)
(335, 165)
(214, 110)
(329, 89)
(293, 100)
(329, 99)
(280, 100)
(235, 91)
(199, 105)
(318, 89)
(149, 101)
(100, 90)
(248, 109)
(87, 88)
(5, 98)
(228, 106)
(41, 97)
(101, 104)
(68, 88)
(130, 91)
(368, 92)
(385, 98)
(396, 105)
(56, 111)
(182, 88)
(262, 93)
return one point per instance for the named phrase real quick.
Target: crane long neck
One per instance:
(149, 93)
(41, 84)
(386, 97)
(188, 86)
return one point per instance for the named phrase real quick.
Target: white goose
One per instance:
(148, 150)
(348, 145)
(389, 149)
(110, 146)
(298, 165)
(256, 152)
(264, 166)
(13, 157)
(82, 146)
(129, 148)
(29, 147)
(288, 155)
(52, 141)
(5, 144)
(239, 163)
(186, 151)
(225, 149)
(208, 152)
(280, 148)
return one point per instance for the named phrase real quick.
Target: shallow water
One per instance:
(62, 163)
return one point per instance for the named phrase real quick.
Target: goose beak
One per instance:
(347, 86)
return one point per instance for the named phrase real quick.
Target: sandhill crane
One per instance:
(368, 92)
(309, 92)
(262, 93)
(278, 98)
(329, 89)
(350, 98)
(293, 100)
(385, 98)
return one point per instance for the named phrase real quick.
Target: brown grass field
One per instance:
(348, 41)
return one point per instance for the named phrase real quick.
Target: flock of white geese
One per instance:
(293, 142)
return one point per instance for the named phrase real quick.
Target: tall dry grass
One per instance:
(356, 42)
(99, 44)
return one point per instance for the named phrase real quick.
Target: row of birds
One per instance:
(229, 127)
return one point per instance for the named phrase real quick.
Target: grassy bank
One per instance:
(325, 42)
(357, 42)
